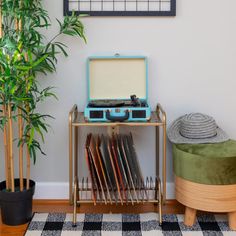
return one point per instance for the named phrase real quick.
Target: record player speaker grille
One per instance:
(96, 114)
(139, 114)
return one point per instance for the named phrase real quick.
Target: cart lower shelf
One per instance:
(148, 192)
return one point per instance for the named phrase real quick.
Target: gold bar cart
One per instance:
(77, 120)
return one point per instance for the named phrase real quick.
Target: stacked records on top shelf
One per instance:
(114, 169)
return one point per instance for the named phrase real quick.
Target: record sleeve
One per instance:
(89, 162)
(132, 162)
(140, 180)
(103, 169)
(118, 166)
(133, 156)
(93, 153)
(108, 166)
(130, 159)
(124, 170)
(114, 170)
(127, 164)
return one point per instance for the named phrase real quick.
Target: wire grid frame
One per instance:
(121, 7)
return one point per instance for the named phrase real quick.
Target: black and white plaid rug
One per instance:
(60, 224)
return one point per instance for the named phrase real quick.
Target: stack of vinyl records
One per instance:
(114, 169)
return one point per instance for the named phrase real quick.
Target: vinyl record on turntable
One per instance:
(106, 103)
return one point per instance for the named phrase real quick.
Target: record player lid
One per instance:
(117, 77)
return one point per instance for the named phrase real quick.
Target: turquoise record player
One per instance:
(117, 89)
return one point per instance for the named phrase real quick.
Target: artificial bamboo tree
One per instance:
(24, 55)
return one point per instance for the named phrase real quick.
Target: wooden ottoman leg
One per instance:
(190, 216)
(232, 220)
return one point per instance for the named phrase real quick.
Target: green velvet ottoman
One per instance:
(205, 178)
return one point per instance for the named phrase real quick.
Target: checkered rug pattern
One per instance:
(147, 224)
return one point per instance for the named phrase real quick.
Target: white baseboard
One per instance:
(170, 190)
(60, 190)
(51, 190)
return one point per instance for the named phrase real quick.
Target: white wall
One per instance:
(192, 68)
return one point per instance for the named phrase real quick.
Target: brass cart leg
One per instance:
(157, 160)
(72, 141)
(76, 175)
(164, 161)
(76, 194)
(158, 191)
(163, 119)
(75, 202)
(160, 202)
(70, 158)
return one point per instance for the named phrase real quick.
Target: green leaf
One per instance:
(39, 60)
(40, 133)
(31, 136)
(25, 68)
(62, 49)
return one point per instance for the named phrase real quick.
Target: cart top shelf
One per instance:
(158, 118)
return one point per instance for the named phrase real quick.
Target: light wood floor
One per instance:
(171, 206)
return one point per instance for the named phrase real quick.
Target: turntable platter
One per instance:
(106, 103)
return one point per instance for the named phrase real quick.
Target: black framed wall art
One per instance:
(121, 7)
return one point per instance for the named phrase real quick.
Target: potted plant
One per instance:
(24, 54)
